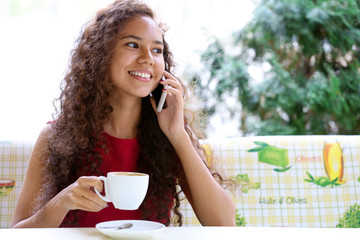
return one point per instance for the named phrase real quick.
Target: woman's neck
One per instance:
(124, 120)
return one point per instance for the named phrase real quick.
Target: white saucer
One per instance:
(140, 229)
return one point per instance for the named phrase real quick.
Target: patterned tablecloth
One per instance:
(294, 181)
(14, 157)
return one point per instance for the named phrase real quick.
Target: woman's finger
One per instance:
(173, 91)
(92, 197)
(99, 185)
(83, 189)
(84, 200)
(172, 84)
(82, 203)
(172, 87)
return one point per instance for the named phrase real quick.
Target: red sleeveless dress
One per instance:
(122, 156)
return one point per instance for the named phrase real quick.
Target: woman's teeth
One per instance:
(143, 75)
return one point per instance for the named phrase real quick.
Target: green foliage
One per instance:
(284, 169)
(261, 146)
(20, 7)
(308, 53)
(245, 183)
(322, 181)
(240, 221)
(351, 218)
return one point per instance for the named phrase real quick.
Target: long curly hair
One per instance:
(84, 109)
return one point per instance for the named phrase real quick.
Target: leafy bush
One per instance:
(351, 218)
(240, 221)
(308, 54)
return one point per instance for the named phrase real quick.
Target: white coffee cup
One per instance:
(126, 190)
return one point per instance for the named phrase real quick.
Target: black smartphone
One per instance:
(160, 96)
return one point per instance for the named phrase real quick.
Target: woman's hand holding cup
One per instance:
(80, 195)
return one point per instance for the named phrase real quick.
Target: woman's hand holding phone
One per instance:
(171, 116)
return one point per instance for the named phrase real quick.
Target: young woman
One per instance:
(108, 122)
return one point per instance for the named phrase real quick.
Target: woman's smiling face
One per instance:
(138, 62)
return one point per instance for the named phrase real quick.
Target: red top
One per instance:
(122, 156)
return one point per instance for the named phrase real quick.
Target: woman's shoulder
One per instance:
(41, 145)
(46, 132)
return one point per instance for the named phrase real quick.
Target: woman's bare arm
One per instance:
(77, 196)
(211, 203)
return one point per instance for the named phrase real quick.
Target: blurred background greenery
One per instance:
(292, 70)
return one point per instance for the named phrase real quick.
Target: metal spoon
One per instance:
(122, 226)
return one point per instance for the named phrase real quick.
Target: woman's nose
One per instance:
(146, 57)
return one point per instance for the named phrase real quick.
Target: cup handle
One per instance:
(105, 198)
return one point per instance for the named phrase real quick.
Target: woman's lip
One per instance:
(142, 71)
(144, 76)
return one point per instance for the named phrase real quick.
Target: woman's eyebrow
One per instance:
(140, 39)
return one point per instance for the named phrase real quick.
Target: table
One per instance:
(189, 233)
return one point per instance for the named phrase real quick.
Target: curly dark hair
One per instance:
(84, 109)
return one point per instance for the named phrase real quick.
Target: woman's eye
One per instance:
(132, 45)
(158, 50)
